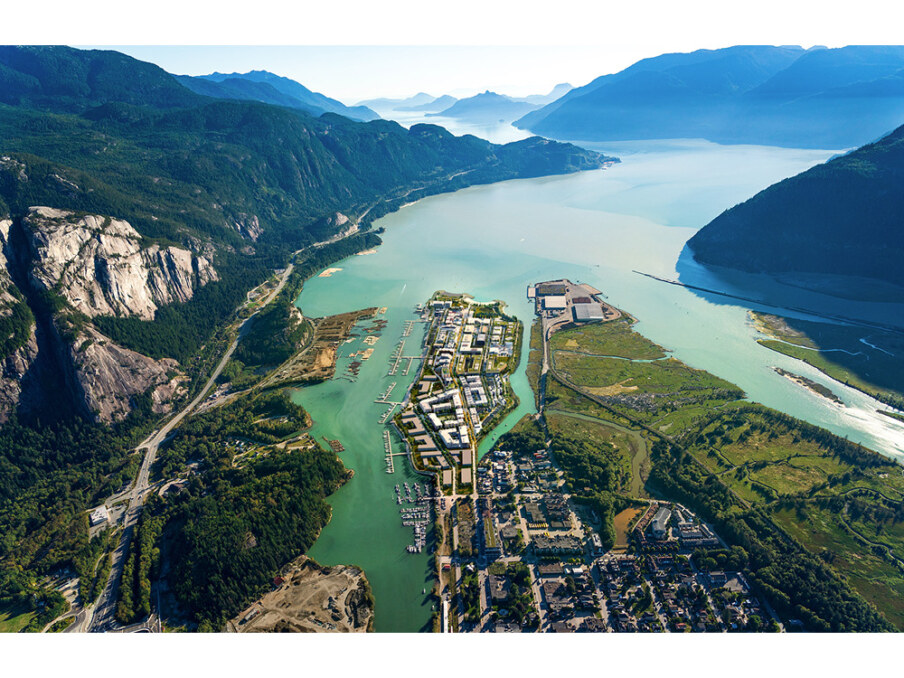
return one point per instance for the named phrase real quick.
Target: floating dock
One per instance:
(388, 413)
(335, 445)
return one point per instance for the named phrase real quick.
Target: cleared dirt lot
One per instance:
(317, 361)
(311, 599)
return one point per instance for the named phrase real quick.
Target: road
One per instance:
(102, 616)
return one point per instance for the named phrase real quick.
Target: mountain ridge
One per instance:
(267, 87)
(843, 217)
(786, 96)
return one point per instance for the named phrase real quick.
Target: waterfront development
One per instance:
(493, 241)
(462, 389)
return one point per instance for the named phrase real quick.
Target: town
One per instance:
(462, 390)
(517, 554)
(521, 558)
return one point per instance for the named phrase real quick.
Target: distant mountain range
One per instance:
(786, 96)
(385, 104)
(487, 106)
(269, 88)
(557, 92)
(437, 104)
(844, 217)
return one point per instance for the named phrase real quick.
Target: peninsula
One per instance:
(463, 389)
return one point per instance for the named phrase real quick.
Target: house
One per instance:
(551, 569)
(595, 545)
(561, 544)
(592, 625)
(506, 627)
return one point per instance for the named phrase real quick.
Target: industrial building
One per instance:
(587, 312)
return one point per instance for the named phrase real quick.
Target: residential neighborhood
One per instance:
(524, 560)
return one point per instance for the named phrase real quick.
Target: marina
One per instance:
(384, 397)
(388, 413)
(396, 357)
(389, 454)
(418, 517)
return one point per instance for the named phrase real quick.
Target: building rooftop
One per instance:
(555, 303)
(585, 312)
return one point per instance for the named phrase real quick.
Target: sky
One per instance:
(459, 47)
(351, 74)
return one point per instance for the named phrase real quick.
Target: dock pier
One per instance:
(384, 397)
(388, 413)
(396, 357)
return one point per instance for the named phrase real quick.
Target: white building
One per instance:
(99, 515)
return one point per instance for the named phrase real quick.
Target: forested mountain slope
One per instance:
(844, 217)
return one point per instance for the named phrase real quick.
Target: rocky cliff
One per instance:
(15, 374)
(18, 344)
(93, 266)
(109, 378)
(100, 266)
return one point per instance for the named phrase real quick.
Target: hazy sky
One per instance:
(354, 73)
(544, 43)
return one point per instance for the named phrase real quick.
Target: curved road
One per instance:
(101, 616)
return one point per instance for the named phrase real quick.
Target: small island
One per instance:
(811, 385)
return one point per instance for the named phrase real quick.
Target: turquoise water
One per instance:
(492, 241)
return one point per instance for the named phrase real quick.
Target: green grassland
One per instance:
(14, 617)
(866, 359)
(613, 338)
(642, 383)
(742, 465)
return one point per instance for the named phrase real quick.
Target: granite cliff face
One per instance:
(108, 378)
(248, 226)
(20, 347)
(95, 266)
(15, 375)
(100, 267)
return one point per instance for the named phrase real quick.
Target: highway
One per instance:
(102, 616)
